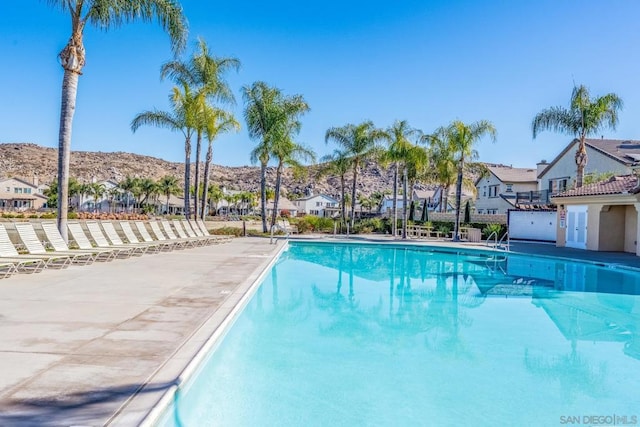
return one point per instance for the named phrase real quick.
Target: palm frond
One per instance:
(107, 14)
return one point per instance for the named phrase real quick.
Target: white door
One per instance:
(577, 227)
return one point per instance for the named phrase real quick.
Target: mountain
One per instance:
(30, 161)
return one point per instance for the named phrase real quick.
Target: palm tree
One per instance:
(112, 193)
(415, 166)
(96, 190)
(183, 118)
(462, 138)
(443, 165)
(81, 190)
(127, 185)
(360, 142)
(262, 114)
(203, 74)
(148, 187)
(283, 148)
(217, 122)
(337, 163)
(398, 153)
(75, 189)
(103, 14)
(168, 185)
(586, 116)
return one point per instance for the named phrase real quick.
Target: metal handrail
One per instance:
(495, 236)
(276, 226)
(497, 243)
(506, 234)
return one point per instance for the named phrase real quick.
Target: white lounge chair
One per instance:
(81, 239)
(21, 263)
(182, 234)
(160, 235)
(166, 227)
(101, 241)
(166, 245)
(292, 229)
(130, 235)
(87, 256)
(206, 240)
(34, 246)
(136, 248)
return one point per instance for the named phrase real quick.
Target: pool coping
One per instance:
(145, 409)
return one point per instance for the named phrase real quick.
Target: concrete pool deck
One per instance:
(76, 345)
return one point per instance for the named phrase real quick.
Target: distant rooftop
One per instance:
(511, 174)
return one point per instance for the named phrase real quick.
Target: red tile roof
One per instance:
(615, 185)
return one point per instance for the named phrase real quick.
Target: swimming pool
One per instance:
(351, 334)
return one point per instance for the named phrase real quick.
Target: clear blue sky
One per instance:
(428, 62)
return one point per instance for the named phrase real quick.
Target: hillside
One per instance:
(26, 161)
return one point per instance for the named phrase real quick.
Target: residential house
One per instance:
(603, 216)
(106, 202)
(386, 204)
(284, 205)
(431, 196)
(603, 155)
(496, 192)
(320, 205)
(20, 195)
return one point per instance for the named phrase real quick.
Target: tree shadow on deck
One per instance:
(88, 408)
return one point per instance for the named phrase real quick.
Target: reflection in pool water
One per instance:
(342, 334)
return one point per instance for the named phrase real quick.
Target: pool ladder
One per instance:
(498, 244)
(275, 227)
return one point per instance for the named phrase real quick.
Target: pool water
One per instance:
(373, 335)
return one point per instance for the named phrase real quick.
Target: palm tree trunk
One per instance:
(187, 176)
(205, 180)
(344, 207)
(581, 162)
(404, 202)
(263, 195)
(196, 178)
(394, 224)
(276, 196)
(353, 193)
(456, 229)
(67, 110)
(168, 196)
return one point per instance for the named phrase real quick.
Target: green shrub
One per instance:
(491, 228)
(72, 215)
(48, 215)
(371, 225)
(444, 229)
(304, 225)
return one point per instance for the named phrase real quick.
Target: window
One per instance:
(318, 203)
(313, 212)
(17, 190)
(8, 189)
(509, 188)
(493, 190)
(484, 191)
(480, 211)
(558, 185)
